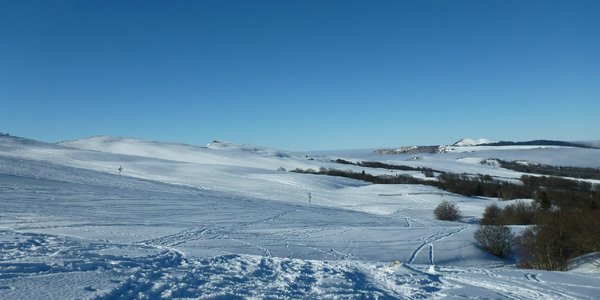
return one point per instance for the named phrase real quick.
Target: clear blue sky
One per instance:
(301, 75)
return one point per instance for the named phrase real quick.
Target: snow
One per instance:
(472, 142)
(220, 221)
(589, 263)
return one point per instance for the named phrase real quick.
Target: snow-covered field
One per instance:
(225, 221)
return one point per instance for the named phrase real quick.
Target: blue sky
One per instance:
(301, 75)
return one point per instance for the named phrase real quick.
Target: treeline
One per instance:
(562, 193)
(380, 165)
(481, 185)
(575, 172)
(538, 143)
(377, 179)
(547, 189)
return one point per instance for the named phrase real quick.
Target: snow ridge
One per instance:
(465, 142)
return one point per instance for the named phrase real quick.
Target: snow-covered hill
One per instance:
(472, 142)
(184, 221)
(211, 154)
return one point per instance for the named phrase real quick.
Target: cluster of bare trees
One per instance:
(558, 236)
(557, 233)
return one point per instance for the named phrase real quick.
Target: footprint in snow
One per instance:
(89, 288)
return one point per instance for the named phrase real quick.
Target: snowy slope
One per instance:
(220, 221)
(238, 155)
(472, 142)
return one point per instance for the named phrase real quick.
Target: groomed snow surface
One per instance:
(223, 222)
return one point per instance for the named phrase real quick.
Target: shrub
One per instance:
(543, 249)
(492, 215)
(519, 213)
(496, 239)
(447, 211)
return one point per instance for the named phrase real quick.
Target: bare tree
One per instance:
(496, 239)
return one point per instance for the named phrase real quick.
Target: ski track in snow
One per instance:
(429, 243)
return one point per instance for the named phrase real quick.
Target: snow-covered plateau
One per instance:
(119, 218)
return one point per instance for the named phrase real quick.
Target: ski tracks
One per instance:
(179, 238)
(428, 242)
(233, 233)
(512, 288)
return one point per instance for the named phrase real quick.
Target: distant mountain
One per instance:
(467, 144)
(540, 143)
(593, 144)
(472, 142)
